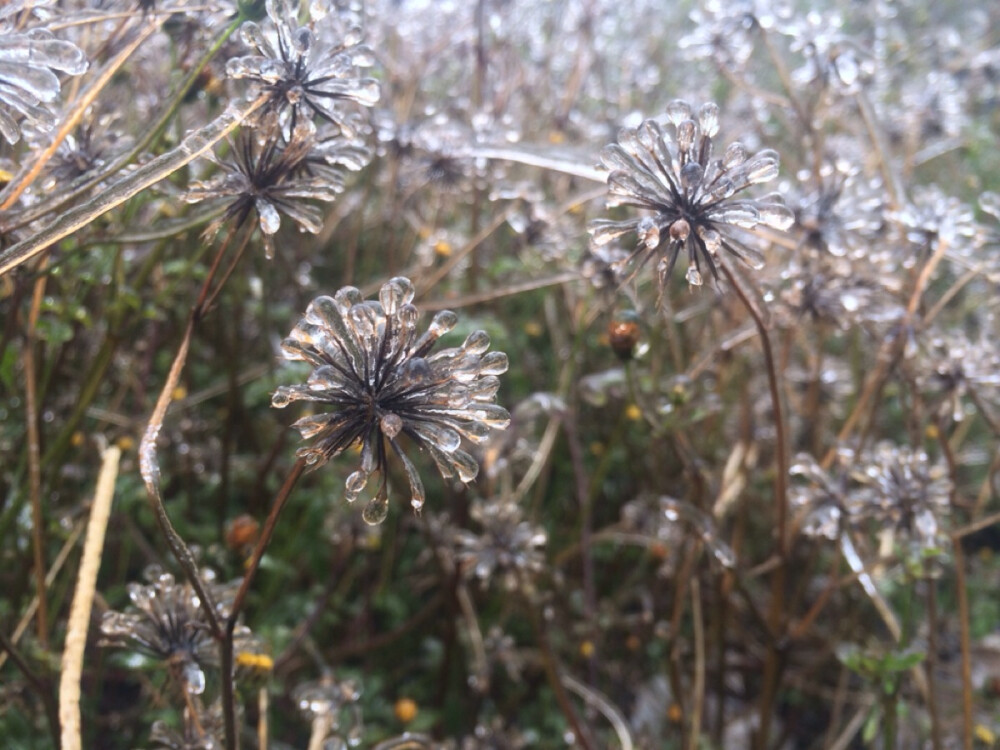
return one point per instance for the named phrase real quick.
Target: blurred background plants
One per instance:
(758, 512)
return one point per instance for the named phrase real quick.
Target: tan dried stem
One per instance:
(83, 599)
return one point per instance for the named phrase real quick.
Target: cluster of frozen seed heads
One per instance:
(379, 381)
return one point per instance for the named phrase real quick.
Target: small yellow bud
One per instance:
(178, 393)
(126, 443)
(984, 734)
(405, 710)
(633, 412)
(587, 649)
(259, 662)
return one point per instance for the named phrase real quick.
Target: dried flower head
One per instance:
(333, 705)
(269, 179)
(901, 490)
(844, 213)
(956, 368)
(306, 71)
(169, 624)
(690, 193)
(382, 381)
(28, 82)
(508, 546)
(822, 496)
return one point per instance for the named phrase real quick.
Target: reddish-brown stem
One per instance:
(776, 613)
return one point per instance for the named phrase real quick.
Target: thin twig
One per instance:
(698, 701)
(594, 699)
(50, 577)
(34, 458)
(226, 640)
(965, 641)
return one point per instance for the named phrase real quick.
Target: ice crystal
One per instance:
(831, 58)
(382, 381)
(932, 217)
(689, 192)
(306, 71)
(844, 213)
(822, 496)
(723, 29)
(28, 64)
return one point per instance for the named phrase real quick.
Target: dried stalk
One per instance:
(83, 599)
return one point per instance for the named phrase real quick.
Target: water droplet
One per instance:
(377, 509)
(678, 111)
(708, 119)
(354, 484)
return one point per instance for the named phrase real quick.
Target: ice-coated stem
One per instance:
(194, 145)
(16, 188)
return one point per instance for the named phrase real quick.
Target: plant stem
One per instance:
(965, 640)
(555, 682)
(226, 641)
(34, 460)
(776, 614)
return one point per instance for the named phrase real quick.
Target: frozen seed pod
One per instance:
(381, 381)
(689, 193)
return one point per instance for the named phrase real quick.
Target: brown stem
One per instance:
(552, 673)
(776, 614)
(34, 458)
(226, 645)
(931, 662)
(963, 617)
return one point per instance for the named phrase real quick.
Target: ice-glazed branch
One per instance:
(18, 186)
(194, 145)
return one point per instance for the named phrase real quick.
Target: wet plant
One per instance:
(464, 248)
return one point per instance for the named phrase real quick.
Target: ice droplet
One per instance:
(377, 509)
